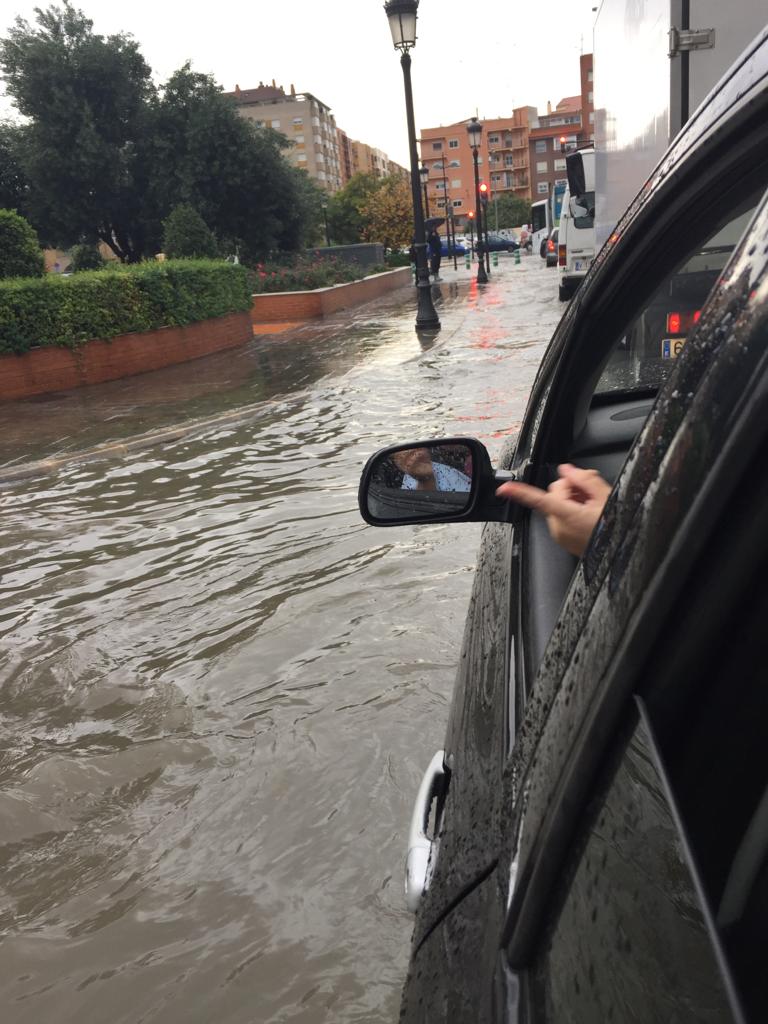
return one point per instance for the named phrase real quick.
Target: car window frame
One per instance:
(573, 363)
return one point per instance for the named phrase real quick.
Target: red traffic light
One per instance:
(471, 214)
(483, 192)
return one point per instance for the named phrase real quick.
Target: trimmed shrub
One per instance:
(20, 252)
(86, 257)
(187, 236)
(303, 275)
(68, 311)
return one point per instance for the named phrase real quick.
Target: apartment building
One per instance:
(569, 126)
(304, 120)
(503, 161)
(360, 158)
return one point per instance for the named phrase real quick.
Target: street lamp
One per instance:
(325, 221)
(424, 175)
(402, 24)
(475, 133)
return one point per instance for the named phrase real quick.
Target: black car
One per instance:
(591, 844)
(495, 243)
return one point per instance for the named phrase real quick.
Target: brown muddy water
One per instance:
(218, 687)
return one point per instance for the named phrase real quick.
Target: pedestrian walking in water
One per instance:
(435, 253)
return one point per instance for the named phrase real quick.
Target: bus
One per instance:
(545, 215)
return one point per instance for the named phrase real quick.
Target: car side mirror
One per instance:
(443, 480)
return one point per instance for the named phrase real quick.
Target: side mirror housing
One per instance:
(441, 480)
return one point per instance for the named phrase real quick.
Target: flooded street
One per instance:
(219, 687)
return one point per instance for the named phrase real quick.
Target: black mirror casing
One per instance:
(391, 502)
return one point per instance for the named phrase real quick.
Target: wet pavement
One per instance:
(219, 687)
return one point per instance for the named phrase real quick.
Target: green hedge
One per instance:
(68, 311)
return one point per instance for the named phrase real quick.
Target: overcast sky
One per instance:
(517, 52)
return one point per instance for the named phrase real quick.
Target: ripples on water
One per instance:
(219, 691)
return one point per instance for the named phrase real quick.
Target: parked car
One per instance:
(550, 248)
(590, 844)
(498, 244)
(447, 250)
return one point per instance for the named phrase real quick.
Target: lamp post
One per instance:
(401, 15)
(475, 132)
(424, 175)
(325, 221)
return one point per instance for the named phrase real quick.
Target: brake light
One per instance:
(561, 260)
(550, 246)
(681, 323)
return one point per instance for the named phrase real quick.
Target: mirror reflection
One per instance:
(423, 481)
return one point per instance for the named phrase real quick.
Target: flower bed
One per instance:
(297, 306)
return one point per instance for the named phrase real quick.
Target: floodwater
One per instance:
(218, 687)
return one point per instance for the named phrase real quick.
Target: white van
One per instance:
(576, 239)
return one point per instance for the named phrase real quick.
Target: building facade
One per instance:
(569, 126)
(304, 120)
(503, 162)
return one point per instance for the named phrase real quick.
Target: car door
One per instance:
(523, 578)
(636, 807)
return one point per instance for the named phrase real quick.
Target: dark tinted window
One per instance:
(629, 940)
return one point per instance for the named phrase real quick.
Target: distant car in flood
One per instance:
(447, 250)
(498, 244)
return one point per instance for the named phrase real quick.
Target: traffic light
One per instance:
(562, 143)
(483, 193)
(471, 215)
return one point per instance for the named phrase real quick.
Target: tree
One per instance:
(388, 215)
(206, 155)
(186, 235)
(346, 220)
(20, 253)
(86, 97)
(512, 211)
(13, 182)
(86, 257)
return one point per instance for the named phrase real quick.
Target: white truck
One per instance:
(576, 236)
(654, 62)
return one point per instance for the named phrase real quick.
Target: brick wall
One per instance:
(49, 369)
(280, 307)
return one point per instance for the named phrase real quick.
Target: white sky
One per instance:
(341, 51)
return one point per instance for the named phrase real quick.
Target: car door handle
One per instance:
(417, 863)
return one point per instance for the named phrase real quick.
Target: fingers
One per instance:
(587, 481)
(524, 494)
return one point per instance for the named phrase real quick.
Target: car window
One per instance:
(628, 938)
(646, 352)
(583, 209)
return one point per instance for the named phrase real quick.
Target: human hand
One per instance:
(571, 505)
(416, 462)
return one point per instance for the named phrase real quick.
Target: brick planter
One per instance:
(50, 368)
(280, 307)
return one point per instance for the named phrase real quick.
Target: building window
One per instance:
(591, 117)
(509, 161)
(493, 140)
(456, 183)
(275, 124)
(589, 75)
(441, 204)
(298, 120)
(560, 164)
(453, 143)
(439, 185)
(543, 187)
(541, 145)
(590, 97)
(542, 166)
(259, 124)
(436, 147)
(454, 163)
(301, 157)
(457, 203)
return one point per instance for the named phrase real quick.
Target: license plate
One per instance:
(582, 264)
(671, 347)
